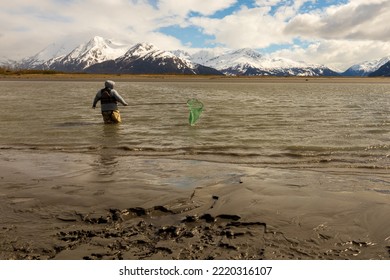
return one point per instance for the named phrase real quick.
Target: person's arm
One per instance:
(119, 98)
(97, 98)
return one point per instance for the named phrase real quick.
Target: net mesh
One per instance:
(196, 109)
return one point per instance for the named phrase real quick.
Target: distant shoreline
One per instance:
(187, 78)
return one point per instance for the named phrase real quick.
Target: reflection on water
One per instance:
(262, 124)
(108, 162)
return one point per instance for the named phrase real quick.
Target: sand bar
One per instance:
(68, 206)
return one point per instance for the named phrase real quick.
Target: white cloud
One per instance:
(357, 20)
(182, 8)
(43, 22)
(338, 54)
(28, 27)
(246, 28)
(340, 35)
(256, 27)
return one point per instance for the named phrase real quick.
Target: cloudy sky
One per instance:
(337, 33)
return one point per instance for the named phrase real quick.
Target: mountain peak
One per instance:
(146, 50)
(113, 57)
(97, 39)
(97, 42)
(366, 67)
(146, 58)
(382, 71)
(249, 62)
(143, 48)
(94, 51)
(248, 52)
(54, 50)
(97, 50)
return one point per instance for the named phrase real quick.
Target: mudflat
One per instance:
(310, 182)
(56, 206)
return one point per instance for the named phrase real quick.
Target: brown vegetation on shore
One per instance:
(51, 75)
(18, 72)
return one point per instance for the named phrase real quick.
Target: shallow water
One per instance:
(310, 160)
(321, 125)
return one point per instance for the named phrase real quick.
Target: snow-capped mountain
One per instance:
(383, 71)
(182, 54)
(249, 62)
(145, 58)
(54, 50)
(100, 55)
(366, 68)
(95, 51)
(202, 56)
(8, 63)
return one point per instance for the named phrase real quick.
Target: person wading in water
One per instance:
(109, 99)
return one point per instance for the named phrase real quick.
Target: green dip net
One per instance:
(196, 109)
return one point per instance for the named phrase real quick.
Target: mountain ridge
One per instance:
(94, 51)
(146, 58)
(366, 68)
(383, 71)
(249, 62)
(100, 55)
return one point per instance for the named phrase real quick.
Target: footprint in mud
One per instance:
(131, 234)
(164, 233)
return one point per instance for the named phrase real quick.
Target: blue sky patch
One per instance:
(190, 36)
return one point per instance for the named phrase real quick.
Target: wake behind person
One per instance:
(109, 99)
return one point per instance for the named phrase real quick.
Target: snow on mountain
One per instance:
(147, 51)
(106, 56)
(54, 50)
(203, 56)
(145, 58)
(383, 71)
(8, 63)
(95, 51)
(228, 59)
(251, 63)
(150, 53)
(365, 68)
(182, 54)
